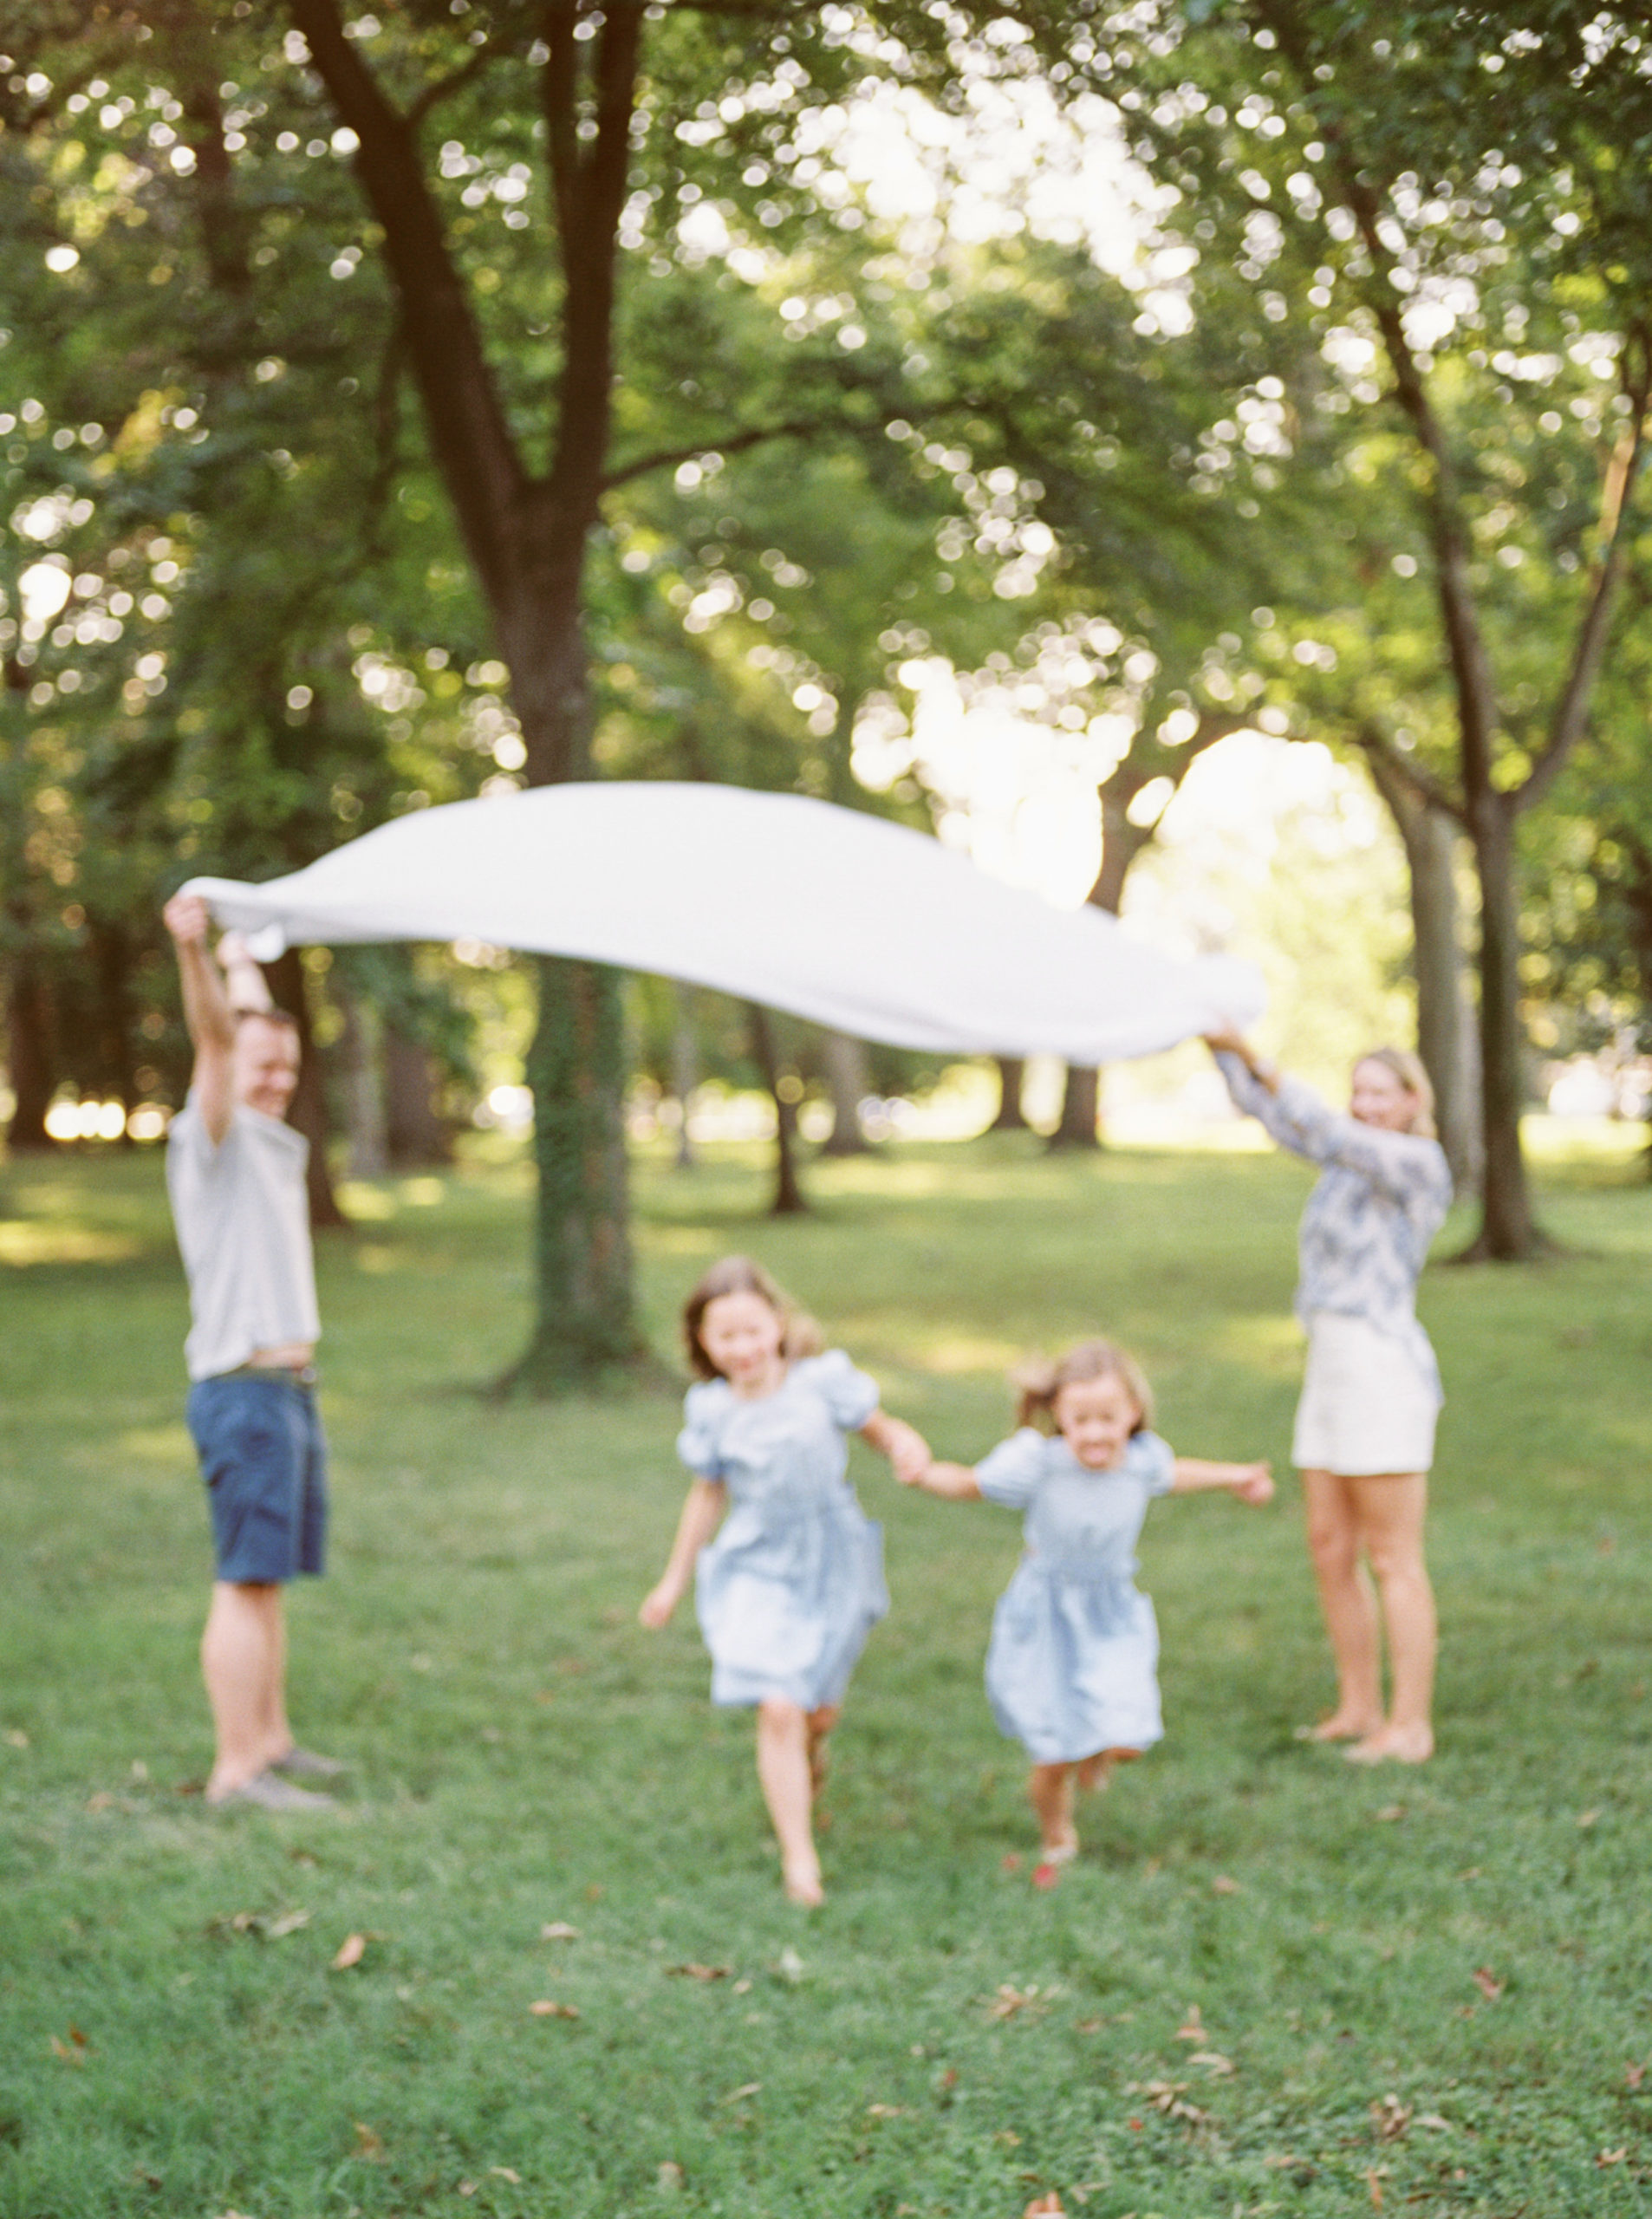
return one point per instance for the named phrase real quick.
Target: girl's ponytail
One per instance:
(1041, 1379)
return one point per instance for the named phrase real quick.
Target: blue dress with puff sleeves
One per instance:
(1072, 1666)
(792, 1585)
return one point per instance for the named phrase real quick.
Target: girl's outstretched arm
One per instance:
(702, 1514)
(903, 1444)
(953, 1482)
(1252, 1483)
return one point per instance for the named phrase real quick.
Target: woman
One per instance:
(1365, 1425)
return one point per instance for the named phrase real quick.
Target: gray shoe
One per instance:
(265, 1792)
(307, 1764)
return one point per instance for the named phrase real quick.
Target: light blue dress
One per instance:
(792, 1585)
(1072, 1667)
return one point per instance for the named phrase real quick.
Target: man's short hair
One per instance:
(281, 1017)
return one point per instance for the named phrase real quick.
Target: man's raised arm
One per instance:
(210, 1007)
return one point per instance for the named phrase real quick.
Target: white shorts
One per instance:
(1365, 1406)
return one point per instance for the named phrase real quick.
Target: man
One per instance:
(235, 1171)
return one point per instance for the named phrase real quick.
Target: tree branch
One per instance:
(469, 436)
(1388, 762)
(1471, 667)
(455, 81)
(668, 458)
(1617, 496)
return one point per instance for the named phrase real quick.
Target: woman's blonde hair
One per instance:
(1039, 1382)
(1409, 1071)
(800, 1335)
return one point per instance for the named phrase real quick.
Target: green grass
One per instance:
(527, 1754)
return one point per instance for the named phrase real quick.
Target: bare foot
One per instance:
(1341, 1725)
(1053, 1855)
(1400, 1745)
(802, 1885)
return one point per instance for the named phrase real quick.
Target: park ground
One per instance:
(1272, 1985)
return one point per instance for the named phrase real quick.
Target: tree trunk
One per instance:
(28, 1049)
(685, 1072)
(582, 1250)
(1011, 1117)
(1507, 1233)
(363, 1045)
(1446, 1033)
(1079, 1124)
(417, 1135)
(789, 1200)
(526, 535)
(307, 1113)
(844, 1061)
(111, 949)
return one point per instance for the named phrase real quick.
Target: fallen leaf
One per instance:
(17, 1738)
(559, 1930)
(102, 1801)
(1165, 2096)
(1010, 2001)
(1007, 2136)
(669, 2175)
(369, 2144)
(1633, 2075)
(1087, 2026)
(351, 1951)
(467, 2188)
(949, 2077)
(68, 2051)
(1221, 1885)
(1488, 1984)
(696, 1972)
(884, 2111)
(791, 1965)
(1214, 2061)
(741, 1988)
(289, 1923)
(1051, 2204)
(1390, 2117)
(504, 2173)
(1134, 2126)
(546, 2009)
(1373, 2182)
(1433, 2119)
(1193, 2027)
(1612, 2156)
(737, 2095)
(1587, 1819)
(1390, 1814)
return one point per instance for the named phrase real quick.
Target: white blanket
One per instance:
(836, 915)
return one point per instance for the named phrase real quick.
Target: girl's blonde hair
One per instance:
(1413, 1076)
(740, 1275)
(1039, 1382)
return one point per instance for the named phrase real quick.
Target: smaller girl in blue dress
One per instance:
(1070, 1672)
(790, 1587)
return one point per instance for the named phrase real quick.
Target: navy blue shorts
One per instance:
(264, 1462)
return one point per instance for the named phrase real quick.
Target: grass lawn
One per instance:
(1272, 1985)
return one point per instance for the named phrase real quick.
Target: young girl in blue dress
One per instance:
(789, 1588)
(1070, 1671)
